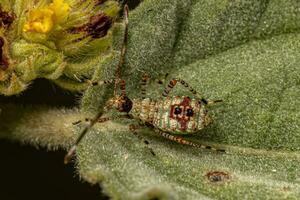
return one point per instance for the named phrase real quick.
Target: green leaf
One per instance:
(243, 52)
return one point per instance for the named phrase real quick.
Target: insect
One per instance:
(168, 116)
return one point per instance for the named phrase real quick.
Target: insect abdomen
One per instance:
(160, 114)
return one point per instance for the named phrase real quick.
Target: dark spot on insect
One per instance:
(177, 110)
(221, 150)
(126, 104)
(77, 122)
(6, 18)
(208, 147)
(183, 120)
(152, 152)
(146, 142)
(217, 176)
(189, 112)
(3, 59)
(160, 82)
(149, 125)
(97, 27)
(203, 101)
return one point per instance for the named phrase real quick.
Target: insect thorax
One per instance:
(180, 115)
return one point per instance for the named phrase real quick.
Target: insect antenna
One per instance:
(123, 51)
(118, 81)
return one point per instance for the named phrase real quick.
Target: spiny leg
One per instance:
(123, 87)
(104, 119)
(72, 150)
(173, 83)
(133, 128)
(210, 102)
(118, 80)
(97, 83)
(181, 140)
(159, 81)
(144, 83)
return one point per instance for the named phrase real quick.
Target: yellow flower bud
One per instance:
(42, 20)
(60, 9)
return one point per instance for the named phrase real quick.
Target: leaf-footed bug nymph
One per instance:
(167, 116)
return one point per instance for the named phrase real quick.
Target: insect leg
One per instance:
(181, 140)
(72, 150)
(173, 83)
(123, 50)
(160, 81)
(133, 128)
(95, 83)
(212, 102)
(116, 82)
(92, 122)
(144, 83)
(100, 120)
(123, 87)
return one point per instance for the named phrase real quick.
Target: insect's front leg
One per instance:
(174, 82)
(133, 128)
(117, 82)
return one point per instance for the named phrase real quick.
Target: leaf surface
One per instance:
(243, 52)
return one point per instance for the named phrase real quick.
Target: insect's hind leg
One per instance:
(103, 119)
(181, 140)
(133, 128)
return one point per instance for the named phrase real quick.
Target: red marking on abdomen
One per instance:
(182, 119)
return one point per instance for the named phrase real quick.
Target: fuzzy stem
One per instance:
(38, 125)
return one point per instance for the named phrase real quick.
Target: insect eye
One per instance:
(177, 110)
(189, 112)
